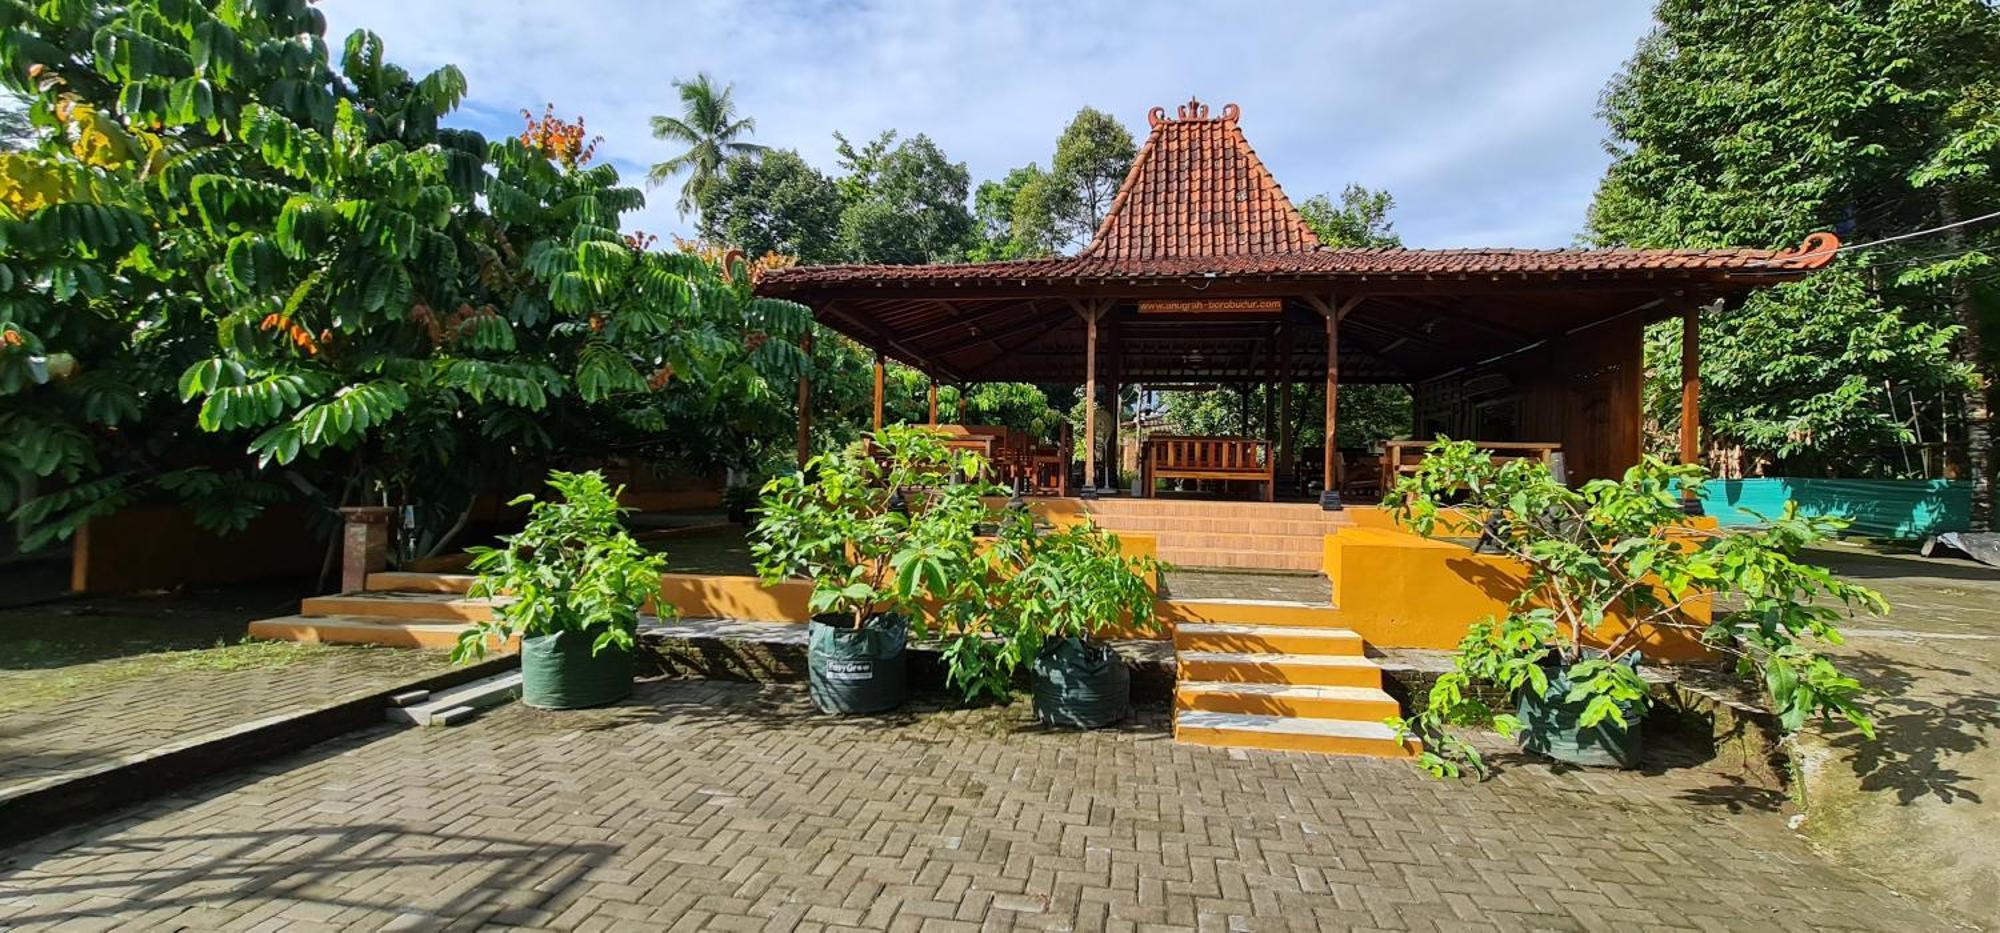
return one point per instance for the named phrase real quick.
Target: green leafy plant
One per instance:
(878, 526)
(1043, 585)
(572, 567)
(1609, 564)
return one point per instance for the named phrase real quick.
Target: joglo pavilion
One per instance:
(1203, 273)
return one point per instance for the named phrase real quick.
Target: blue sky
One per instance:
(1478, 115)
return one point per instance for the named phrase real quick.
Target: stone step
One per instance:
(360, 630)
(1198, 558)
(1250, 612)
(1239, 638)
(396, 605)
(1313, 546)
(401, 581)
(1323, 670)
(1360, 704)
(456, 705)
(1232, 524)
(1285, 734)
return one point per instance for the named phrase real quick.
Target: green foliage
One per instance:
(1033, 213)
(904, 202)
(1622, 552)
(1367, 413)
(1804, 373)
(877, 526)
(1360, 219)
(773, 203)
(571, 568)
(229, 238)
(712, 132)
(1756, 122)
(1039, 585)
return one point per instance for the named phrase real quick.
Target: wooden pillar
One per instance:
(1285, 462)
(1090, 403)
(1269, 382)
(1691, 385)
(805, 401)
(1330, 475)
(878, 391)
(1112, 399)
(934, 403)
(963, 391)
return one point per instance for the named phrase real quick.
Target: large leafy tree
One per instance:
(712, 132)
(1755, 122)
(776, 203)
(238, 273)
(905, 201)
(1032, 212)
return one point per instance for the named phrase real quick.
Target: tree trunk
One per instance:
(1971, 351)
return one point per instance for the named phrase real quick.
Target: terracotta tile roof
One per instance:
(1198, 203)
(1198, 189)
(1761, 264)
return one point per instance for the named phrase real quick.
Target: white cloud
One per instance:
(1478, 116)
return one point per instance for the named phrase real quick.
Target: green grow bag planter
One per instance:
(1081, 685)
(1549, 728)
(559, 671)
(857, 671)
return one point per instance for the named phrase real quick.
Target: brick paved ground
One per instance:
(705, 805)
(98, 722)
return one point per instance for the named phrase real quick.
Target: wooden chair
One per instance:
(1238, 459)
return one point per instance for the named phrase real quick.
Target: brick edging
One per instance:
(50, 803)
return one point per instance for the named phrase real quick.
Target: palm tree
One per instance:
(708, 125)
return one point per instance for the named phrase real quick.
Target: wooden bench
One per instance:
(1401, 458)
(1174, 456)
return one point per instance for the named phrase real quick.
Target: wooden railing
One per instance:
(1174, 456)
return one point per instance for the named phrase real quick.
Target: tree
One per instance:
(1093, 155)
(1360, 219)
(243, 276)
(905, 202)
(776, 203)
(1012, 217)
(712, 132)
(1756, 122)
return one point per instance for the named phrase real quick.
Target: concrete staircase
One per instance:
(1267, 674)
(1278, 675)
(1282, 536)
(404, 610)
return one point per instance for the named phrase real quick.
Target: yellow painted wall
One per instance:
(737, 597)
(1400, 590)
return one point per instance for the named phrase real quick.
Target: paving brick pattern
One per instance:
(704, 805)
(96, 725)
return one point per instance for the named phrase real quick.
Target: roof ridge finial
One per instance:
(1193, 110)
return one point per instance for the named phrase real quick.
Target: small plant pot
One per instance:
(1081, 685)
(559, 671)
(857, 670)
(1549, 727)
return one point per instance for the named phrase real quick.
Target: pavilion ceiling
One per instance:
(1388, 338)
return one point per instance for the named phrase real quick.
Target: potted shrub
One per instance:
(1606, 565)
(881, 526)
(572, 584)
(1054, 591)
